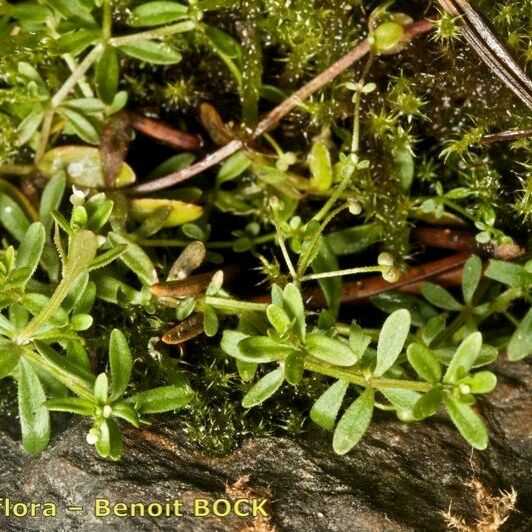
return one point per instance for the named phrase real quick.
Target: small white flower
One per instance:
(78, 196)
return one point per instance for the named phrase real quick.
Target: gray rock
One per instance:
(400, 477)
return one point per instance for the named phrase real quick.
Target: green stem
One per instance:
(460, 210)
(79, 386)
(305, 258)
(16, 169)
(373, 382)
(339, 273)
(44, 135)
(62, 290)
(107, 22)
(234, 305)
(78, 74)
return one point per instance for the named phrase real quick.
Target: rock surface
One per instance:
(400, 477)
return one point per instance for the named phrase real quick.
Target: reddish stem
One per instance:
(276, 114)
(158, 130)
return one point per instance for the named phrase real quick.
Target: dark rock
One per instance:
(400, 477)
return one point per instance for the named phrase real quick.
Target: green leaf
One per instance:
(34, 416)
(30, 12)
(391, 340)
(464, 357)
(482, 382)
(264, 388)
(135, 259)
(263, 349)
(439, 297)
(81, 322)
(471, 277)
(107, 74)
(77, 355)
(8, 361)
(30, 250)
(468, 423)
(222, 42)
(158, 53)
(81, 126)
(51, 199)
(12, 217)
(330, 350)
(121, 364)
(520, 345)
(81, 252)
(320, 167)
(126, 412)
(28, 127)
(101, 389)
(294, 307)
(354, 239)
(278, 318)
(162, 399)
(326, 408)
(210, 321)
(358, 340)
(420, 311)
(75, 42)
(427, 366)
(74, 405)
(354, 423)
(326, 261)
(246, 370)
(428, 404)
(508, 273)
(106, 258)
(116, 443)
(403, 168)
(185, 308)
(103, 445)
(87, 106)
(234, 166)
(156, 13)
(293, 368)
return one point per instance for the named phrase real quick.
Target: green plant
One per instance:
(327, 185)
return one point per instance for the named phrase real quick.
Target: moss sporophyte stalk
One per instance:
(261, 216)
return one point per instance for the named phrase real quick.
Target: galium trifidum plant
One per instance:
(307, 175)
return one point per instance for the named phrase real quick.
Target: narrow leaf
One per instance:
(34, 416)
(464, 357)
(468, 423)
(354, 423)
(520, 345)
(391, 340)
(264, 388)
(326, 408)
(330, 350)
(427, 366)
(121, 364)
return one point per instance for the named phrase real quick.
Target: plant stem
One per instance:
(78, 74)
(339, 273)
(303, 262)
(44, 135)
(275, 115)
(62, 290)
(107, 22)
(373, 382)
(16, 169)
(234, 304)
